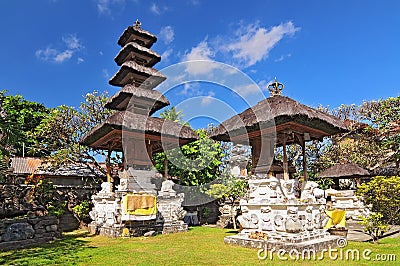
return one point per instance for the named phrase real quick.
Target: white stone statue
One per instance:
(309, 223)
(167, 186)
(307, 194)
(267, 219)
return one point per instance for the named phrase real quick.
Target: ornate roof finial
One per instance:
(275, 88)
(138, 24)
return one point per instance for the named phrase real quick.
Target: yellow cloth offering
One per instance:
(337, 217)
(139, 204)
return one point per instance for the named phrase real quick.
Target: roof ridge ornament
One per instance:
(275, 88)
(137, 25)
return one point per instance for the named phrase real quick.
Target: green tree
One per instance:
(374, 225)
(176, 116)
(25, 116)
(59, 133)
(383, 194)
(385, 125)
(373, 138)
(199, 164)
(7, 137)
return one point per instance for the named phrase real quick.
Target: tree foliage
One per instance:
(174, 115)
(59, 134)
(374, 225)
(373, 140)
(25, 116)
(195, 163)
(383, 194)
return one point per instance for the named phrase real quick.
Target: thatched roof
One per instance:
(130, 72)
(276, 111)
(345, 170)
(121, 99)
(132, 50)
(136, 34)
(147, 127)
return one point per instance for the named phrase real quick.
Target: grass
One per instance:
(198, 246)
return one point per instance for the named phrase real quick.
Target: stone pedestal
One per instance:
(111, 213)
(272, 216)
(170, 209)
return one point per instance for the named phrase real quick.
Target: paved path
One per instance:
(356, 233)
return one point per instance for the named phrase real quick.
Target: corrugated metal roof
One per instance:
(25, 165)
(29, 165)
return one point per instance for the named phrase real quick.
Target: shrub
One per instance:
(383, 194)
(374, 225)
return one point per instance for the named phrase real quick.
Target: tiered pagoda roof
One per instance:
(136, 101)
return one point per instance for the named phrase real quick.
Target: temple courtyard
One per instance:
(198, 246)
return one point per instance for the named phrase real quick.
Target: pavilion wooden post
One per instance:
(285, 159)
(303, 149)
(108, 164)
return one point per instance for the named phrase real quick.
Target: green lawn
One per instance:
(198, 246)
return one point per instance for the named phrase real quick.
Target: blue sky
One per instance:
(325, 52)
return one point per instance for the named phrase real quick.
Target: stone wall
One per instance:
(25, 232)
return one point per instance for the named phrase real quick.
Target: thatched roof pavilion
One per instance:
(345, 170)
(287, 114)
(109, 134)
(277, 121)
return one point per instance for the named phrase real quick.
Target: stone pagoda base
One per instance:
(315, 241)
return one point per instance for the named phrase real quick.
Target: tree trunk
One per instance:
(165, 166)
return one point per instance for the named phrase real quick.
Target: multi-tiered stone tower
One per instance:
(136, 204)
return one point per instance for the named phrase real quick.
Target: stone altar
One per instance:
(273, 217)
(138, 206)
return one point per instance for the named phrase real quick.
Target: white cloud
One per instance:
(72, 42)
(104, 7)
(80, 60)
(105, 73)
(282, 57)
(191, 89)
(206, 100)
(167, 34)
(247, 89)
(197, 54)
(166, 54)
(254, 42)
(158, 10)
(155, 9)
(72, 45)
(61, 57)
(251, 44)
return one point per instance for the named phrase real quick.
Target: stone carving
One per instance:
(267, 219)
(238, 161)
(248, 221)
(309, 223)
(279, 223)
(293, 223)
(18, 231)
(106, 188)
(167, 189)
(307, 195)
(289, 188)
